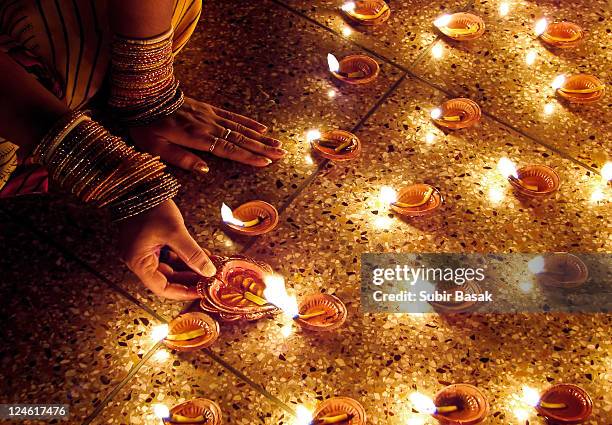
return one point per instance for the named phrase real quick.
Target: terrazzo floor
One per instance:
(77, 325)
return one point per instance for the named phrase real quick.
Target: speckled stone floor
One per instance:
(77, 325)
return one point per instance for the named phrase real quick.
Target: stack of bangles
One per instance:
(143, 87)
(101, 169)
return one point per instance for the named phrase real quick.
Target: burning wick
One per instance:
(508, 170)
(350, 9)
(160, 332)
(228, 217)
(276, 294)
(424, 404)
(442, 24)
(161, 411)
(436, 114)
(606, 172)
(540, 27)
(531, 397)
(388, 195)
(334, 67)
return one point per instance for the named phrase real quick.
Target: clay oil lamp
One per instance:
(250, 219)
(559, 270)
(191, 332)
(353, 69)
(335, 410)
(236, 290)
(337, 145)
(415, 200)
(579, 88)
(456, 113)
(196, 411)
(563, 35)
(452, 303)
(531, 181)
(317, 312)
(561, 403)
(366, 12)
(460, 26)
(457, 404)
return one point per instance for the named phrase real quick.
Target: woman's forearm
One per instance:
(27, 109)
(140, 18)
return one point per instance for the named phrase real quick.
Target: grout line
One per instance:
(121, 384)
(66, 253)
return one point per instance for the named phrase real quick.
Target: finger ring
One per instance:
(213, 144)
(226, 133)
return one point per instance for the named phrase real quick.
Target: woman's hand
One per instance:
(142, 237)
(200, 126)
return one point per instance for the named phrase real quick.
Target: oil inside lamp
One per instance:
(508, 170)
(160, 332)
(532, 398)
(228, 217)
(424, 404)
(541, 26)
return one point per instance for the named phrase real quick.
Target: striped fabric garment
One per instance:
(66, 45)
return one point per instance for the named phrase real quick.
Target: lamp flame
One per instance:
(504, 9)
(387, 195)
(436, 113)
(313, 135)
(536, 264)
(541, 26)
(161, 411)
(531, 396)
(159, 332)
(442, 21)
(422, 403)
(606, 171)
(507, 168)
(276, 293)
(228, 216)
(558, 82)
(349, 6)
(332, 62)
(303, 415)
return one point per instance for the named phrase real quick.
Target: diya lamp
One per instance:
(559, 270)
(191, 332)
(250, 219)
(457, 404)
(456, 113)
(532, 181)
(335, 410)
(353, 69)
(563, 35)
(579, 88)
(366, 12)
(561, 403)
(337, 145)
(195, 411)
(460, 26)
(412, 201)
(317, 312)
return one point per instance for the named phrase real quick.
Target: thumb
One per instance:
(192, 254)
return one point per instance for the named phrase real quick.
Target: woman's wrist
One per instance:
(101, 169)
(143, 86)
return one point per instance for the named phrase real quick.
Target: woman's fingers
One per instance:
(178, 156)
(229, 150)
(191, 253)
(148, 272)
(239, 128)
(241, 119)
(255, 146)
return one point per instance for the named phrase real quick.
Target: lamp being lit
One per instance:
(276, 293)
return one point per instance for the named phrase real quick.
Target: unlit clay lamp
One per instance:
(563, 35)
(367, 12)
(191, 332)
(196, 411)
(417, 200)
(457, 113)
(339, 410)
(353, 69)
(460, 404)
(562, 404)
(460, 26)
(321, 312)
(580, 88)
(250, 219)
(337, 145)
